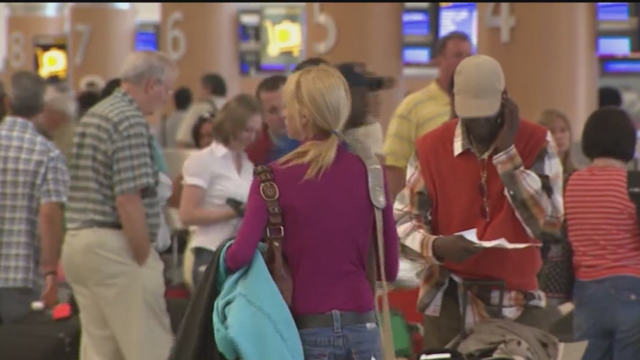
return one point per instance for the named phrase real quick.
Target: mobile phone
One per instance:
(505, 96)
(236, 205)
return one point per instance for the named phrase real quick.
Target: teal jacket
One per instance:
(251, 321)
(158, 157)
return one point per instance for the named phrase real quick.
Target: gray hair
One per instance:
(62, 102)
(26, 97)
(141, 66)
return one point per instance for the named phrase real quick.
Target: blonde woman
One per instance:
(560, 127)
(328, 219)
(217, 176)
(556, 276)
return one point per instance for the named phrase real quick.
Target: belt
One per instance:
(98, 224)
(326, 320)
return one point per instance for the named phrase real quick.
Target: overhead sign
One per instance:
(281, 37)
(51, 57)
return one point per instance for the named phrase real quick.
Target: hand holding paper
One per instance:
(502, 243)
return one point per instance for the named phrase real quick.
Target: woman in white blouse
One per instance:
(217, 176)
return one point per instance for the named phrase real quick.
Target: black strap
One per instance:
(633, 189)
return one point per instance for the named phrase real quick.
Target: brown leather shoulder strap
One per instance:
(270, 193)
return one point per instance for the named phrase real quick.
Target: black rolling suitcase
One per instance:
(39, 337)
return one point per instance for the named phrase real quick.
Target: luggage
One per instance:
(176, 307)
(39, 337)
(402, 337)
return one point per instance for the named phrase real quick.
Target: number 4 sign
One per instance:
(503, 20)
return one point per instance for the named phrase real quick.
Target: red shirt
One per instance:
(602, 223)
(258, 151)
(453, 184)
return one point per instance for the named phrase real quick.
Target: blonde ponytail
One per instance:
(319, 154)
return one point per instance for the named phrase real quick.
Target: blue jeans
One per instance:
(353, 342)
(201, 259)
(607, 315)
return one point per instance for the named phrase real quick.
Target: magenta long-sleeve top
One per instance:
(329, 227)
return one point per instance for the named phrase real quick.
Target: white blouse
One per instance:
(213, 169)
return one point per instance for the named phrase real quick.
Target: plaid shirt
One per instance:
(33, 172)
(112, 155)
(535, 195)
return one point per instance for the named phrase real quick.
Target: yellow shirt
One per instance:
(418, 114)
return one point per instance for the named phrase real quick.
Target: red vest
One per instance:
(453, 184)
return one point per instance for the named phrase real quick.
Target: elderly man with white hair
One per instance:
(114, 217)
(57, 123)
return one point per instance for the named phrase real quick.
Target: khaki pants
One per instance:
(122, 307)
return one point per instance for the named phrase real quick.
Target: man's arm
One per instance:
(134, 177)
(53, 190)
(412, 213)
(399, 146)
(536, 193)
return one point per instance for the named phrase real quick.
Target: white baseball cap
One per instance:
(478, 87)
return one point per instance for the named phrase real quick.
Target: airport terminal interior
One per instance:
(559, 64)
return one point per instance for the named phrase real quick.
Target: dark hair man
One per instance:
(423, 110)
(273, 143)
(609, 96)
(33, 188)
(496, 175)
(213, 92)
(314, 61)
(182, 99)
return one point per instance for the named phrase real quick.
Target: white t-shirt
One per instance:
(213, 169)
(370, 134)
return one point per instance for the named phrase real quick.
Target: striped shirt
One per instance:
(538, 205)
(602, 224)
(418, 114)
(112, 155)
(33, 172)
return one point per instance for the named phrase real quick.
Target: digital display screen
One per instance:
(281, 38)
(627, 66)
(248, 30)
(614, 46)
(613, 11)
(146, 41)
(51, 57)
(462, 17)
(415, 23)
(416, 55)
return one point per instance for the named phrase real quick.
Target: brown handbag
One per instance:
(274, 233)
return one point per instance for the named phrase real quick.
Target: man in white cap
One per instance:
(501, 177)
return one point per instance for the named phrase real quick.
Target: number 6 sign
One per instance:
(176, 40)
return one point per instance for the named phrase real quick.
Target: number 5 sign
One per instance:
(503, 20)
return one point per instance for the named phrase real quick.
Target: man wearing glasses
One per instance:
(114, 217)
(489, 172)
